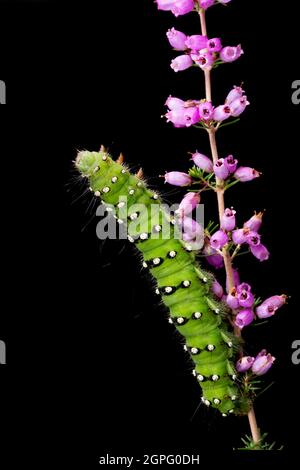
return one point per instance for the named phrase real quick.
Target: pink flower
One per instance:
(188, 204)
(269, 306)
(192, 230)
(230, 54)
(218, 239)
(177, 7)
(220, 169)
(260, 252)
(177, 39)
(213, 258)
(204, 59)
(228, 220)
(263, 362)
(244, 318)
(217, 289)
(206, 3)
(245, 363)
(222, 112)
(196, 42)
(254, 223)
(236, 92)
(238, 106)
(232, 299)
(245, 173)
(182, 62)
(182, 115)
(174, 103)
(231, 163)
(239, 236)
(178, 178)
(206, 110)
(202, 162)
(214, 45)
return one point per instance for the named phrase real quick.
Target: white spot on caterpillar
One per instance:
(130, 239)
(168, 290)
(106, 189)
(121, 204)
(234, 377)
(91, 189)
(216, 401)
(185, 348)
(210, 347)
(123, 171)
(194, 350)
(215, 378)
(188, 248)
(207, 402)
(230, 344)
(233, 398)
(200, 377)
(204, 279)
(157, 292)
(202, 399)
(97, 168)
(155, 196)
(109, 209)
(224, 415)
(145, 265)
(172, 254)
(180, 320)
(120, 221)
(157, 228)
(131, 192)
(114, 179)
(186, 283)
(140, 184)
(173, 221)
(170, 321)
(104, 158)
(217, 310)
(231, 411)
(144, 236)
(194, 373)
(97, 193)
(156, 261)
(134, 216)
(197, 315)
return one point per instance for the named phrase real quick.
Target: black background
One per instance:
(93, 366)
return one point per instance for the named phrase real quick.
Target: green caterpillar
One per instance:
(182, 284)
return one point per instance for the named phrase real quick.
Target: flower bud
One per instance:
(174, 103)
(178, 178)
(202, 162)
(263, 362)
(239, 236)
(177, 39)
(213, 258)
(192, 230)
(245, 298)
(206, 3)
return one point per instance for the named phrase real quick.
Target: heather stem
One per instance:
(255, 432)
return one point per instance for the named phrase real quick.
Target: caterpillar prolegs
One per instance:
(181, 282)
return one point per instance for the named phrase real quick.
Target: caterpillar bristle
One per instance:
(120, 159)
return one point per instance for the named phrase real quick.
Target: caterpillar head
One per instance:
(89, 163)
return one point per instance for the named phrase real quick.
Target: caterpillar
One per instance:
(184, 287)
